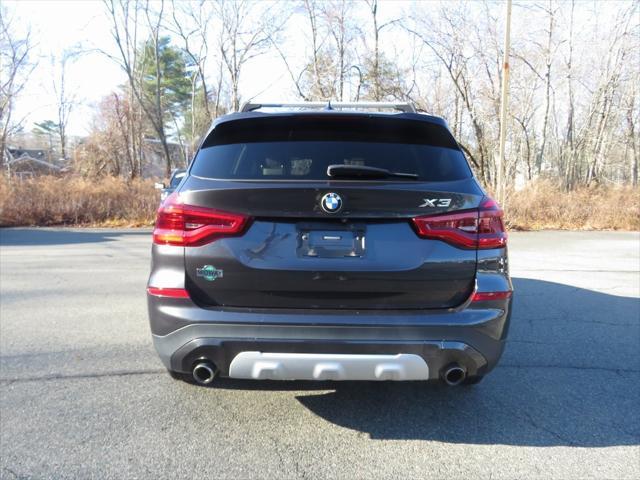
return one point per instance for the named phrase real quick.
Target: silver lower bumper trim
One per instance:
(327, 366)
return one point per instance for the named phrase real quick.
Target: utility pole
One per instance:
(504, 101)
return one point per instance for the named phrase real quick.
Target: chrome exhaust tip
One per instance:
(204, 373)
(454, 375)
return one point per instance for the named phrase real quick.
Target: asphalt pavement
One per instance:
(83, 395)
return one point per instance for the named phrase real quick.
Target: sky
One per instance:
(57, 25)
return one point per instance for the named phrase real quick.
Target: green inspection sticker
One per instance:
(209, 272)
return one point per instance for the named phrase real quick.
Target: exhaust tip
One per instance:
(454, 375)
(204, 373)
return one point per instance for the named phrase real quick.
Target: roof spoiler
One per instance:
(401, 106)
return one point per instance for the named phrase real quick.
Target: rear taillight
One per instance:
(191, 226)
(491, 231)
(482, 228)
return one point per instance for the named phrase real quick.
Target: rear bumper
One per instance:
(473, 337)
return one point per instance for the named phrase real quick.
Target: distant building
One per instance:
(32, 158)
(24, 163)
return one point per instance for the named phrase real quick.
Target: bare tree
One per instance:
(568, 147)
(124, 30)
(633, 110)
(195, 40)
(549, 50)
(156, 116)
(338, 15)
(447, 46)
(125, 25)
(376, 74)
(16, 67)
(574, 115)
(198, 16)
(331, 31)
(105, 150)
(65, 100)
(320, 61)
(248, 30)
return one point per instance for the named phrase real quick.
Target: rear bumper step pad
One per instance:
(319, 366)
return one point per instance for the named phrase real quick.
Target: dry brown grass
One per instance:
(543, 205)
(105, 201)
(116, 202)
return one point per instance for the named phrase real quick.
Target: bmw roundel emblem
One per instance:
(331, 203)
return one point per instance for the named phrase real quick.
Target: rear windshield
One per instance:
(302, 148)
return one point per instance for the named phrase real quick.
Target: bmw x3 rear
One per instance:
(329, 244)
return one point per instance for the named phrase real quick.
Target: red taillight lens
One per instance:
(191, 226)
(482, 228)
(459, 229)
(168, 292)
(491, 231)
(486, 296)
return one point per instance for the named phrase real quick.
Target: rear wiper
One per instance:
(362, 171)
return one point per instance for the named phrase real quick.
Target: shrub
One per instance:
(543, 205)
(77, 201)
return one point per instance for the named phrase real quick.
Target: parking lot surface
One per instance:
(83, 394)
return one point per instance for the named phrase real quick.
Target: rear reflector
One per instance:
(486, 296)
(168, 292)
(482, 228)
(191, 226)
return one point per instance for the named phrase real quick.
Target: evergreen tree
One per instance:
(166, 84)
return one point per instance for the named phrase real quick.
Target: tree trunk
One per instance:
(376, 53)
(547, 101)
(633, 140)
(569, 146)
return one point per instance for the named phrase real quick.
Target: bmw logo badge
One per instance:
(331, 203)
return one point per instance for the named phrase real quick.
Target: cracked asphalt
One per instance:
(83, 395)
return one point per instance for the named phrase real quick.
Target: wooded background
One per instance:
(573, 112)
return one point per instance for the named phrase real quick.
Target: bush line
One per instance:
(113, 201)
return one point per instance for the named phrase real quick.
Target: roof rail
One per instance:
(401, 106)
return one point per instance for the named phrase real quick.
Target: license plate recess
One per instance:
(320, 240)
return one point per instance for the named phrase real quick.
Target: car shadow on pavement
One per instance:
(58, 236)
(570, 376)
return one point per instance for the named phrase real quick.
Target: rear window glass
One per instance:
(176, 179)
(302, 149)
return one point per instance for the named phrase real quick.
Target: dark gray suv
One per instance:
(333, 243)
